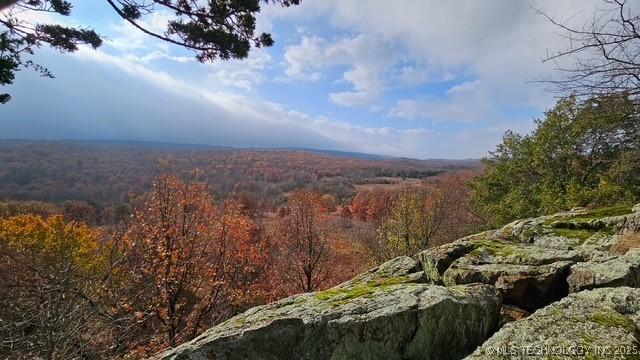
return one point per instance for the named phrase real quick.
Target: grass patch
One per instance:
(581, 234)
(582, 220)
(605, 212)
(611, 318)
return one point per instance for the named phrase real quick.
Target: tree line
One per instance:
(582, 153)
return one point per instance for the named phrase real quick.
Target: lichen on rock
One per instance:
(623, 270)
(383, 314)
(595, 324)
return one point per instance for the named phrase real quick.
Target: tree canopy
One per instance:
(220, 29)
(583, 153)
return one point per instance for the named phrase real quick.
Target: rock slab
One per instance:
(595, 324)
(383, 314)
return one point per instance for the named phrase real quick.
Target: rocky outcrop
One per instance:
(387, 313)
(596, 324)
(447, 300)
(616, 271)
(534, 262)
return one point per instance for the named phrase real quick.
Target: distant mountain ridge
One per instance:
(158, 145)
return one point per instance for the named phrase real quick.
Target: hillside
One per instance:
(534, 275)
(111, 172)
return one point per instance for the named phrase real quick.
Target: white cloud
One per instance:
(298, 57)
(465, 103)
(384, 46)
(409, 75)
(466, 86)
(136, 46)
(127, 38)
(157, 55)
(367, 85)
(367, 57)
(243, 74)
(500, 43)
(241, 120)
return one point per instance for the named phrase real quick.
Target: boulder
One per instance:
(400, 266)
(436, 261)
(533, 262)
(386, 313)
(525, 286)
(621, 270)
(595, 324)
(527, 276)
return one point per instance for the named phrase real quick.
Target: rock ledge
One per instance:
(447, 301)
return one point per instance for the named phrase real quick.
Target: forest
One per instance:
(119, 251)
(108, 173)
(146, 247)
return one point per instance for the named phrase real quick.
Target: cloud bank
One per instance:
(424, 79)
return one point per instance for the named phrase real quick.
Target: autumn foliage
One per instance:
(304, 248)
(177, 267)
(414, 217)
(188, 265)
(82, 281)
(372, 205)
(48, 275)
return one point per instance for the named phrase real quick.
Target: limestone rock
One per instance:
(526, 286)
(528, 261)
(590, 324)
(622, 270)
(436, 261)
(400, 266)
(374, 316)
(509, 313)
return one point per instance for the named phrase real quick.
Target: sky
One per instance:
(414, 78)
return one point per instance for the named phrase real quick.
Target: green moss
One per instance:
(240, 321)
(581, 234)
(502, 249)
(588, 339)
(611, 318)
(492, 247)
(583, 226)
(342, 295)
(528, 234)
(584, 218)
(300, 300)
(506, 234)
(605, 212)
(345, 294)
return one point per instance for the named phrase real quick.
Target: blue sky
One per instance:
(417, 78)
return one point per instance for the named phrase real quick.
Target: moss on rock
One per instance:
(341, 294)
(602, 318)
(610, 318)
